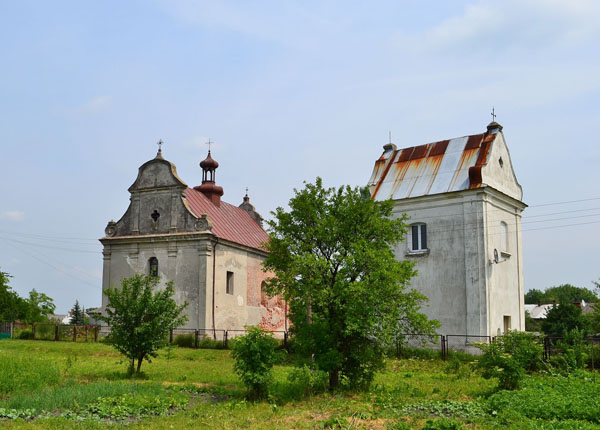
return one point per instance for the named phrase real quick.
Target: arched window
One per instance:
(417, 240)
(503, 236)
(153, 264)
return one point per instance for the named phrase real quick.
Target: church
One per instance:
(464, 208)
(210, 249)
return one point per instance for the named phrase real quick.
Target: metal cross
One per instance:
(246, 190)
(159, 143)
(390, 137)
(493, 115)
(209, 143)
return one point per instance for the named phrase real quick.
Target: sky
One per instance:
(288, 91)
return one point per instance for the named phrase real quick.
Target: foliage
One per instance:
(334, 265)
(562, 319)
(509, 357)
(532, 324)
(185, 340)
(574, 351)
(307, 381)
(77, 315)
(553, 398)
(38, 305)
(132, 405)
(254, 356)
(140, 318)
(446, 408)
(17, 374)
(12, 307)
(565, 293)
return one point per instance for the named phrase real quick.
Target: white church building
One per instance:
(464, 206)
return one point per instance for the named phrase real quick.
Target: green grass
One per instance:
(187, 388)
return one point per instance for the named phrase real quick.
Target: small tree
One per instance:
(562, 319)
(12, 307)
(77, 315)
(140, 317)
(254, 356)
(38, 305)
(347, 293)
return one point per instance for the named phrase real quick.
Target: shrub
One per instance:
(185, 340)
(254, 356)
(307, 381)
(442, 424)
(25, 334)
(509, 357)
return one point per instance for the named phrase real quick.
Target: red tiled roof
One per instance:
(228, 221)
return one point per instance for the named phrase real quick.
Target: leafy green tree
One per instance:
(348, 296)
(38, 305)
(534, 296)
(77, 315)
(140, 317)
(562, 319)
(254, 356)
(12, 307)
(565, 293)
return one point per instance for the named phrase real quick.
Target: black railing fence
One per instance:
(405, 344)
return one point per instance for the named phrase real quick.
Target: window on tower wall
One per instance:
(153, 266)
(417, 237)
(503, 236)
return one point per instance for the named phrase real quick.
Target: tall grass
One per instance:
(20, 373)
(74, 395)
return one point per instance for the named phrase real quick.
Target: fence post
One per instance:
(33, 330)
(285, 340)
(74, 333)
(12, 330)
(443, 341)
(171, 336)
(225, 335)
(546, 352)
(196, 334)
(56, 333)
(86, 333)
(96, 334)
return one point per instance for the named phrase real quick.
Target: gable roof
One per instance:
(228, 221)
(439, 167)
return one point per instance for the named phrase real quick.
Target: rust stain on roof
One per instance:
(447, 165)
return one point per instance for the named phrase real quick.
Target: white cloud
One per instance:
(96, 104)
(16, 216)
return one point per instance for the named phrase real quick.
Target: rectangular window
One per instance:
(229, 286)
(418, 239)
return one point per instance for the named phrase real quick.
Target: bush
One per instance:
(25, 334)
(44, 332)
(254, 356)
(509, 357)
(442, 424)
(307, 381)
(185, 340)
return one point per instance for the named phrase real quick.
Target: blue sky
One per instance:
(288, 91)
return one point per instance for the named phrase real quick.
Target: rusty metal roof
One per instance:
(433, 168)
(229, 222)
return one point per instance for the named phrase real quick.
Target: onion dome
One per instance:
(208, 163)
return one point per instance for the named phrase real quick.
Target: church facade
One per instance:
(464, 208)
(210, 249)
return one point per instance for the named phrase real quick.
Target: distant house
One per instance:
(539, 311)
(464, 206)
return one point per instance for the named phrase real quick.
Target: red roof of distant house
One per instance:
(228, 221)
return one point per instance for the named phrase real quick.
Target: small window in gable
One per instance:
(501, 162)
(418, 237)
(153, 266)
(229, 285)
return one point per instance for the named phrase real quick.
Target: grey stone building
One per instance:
(464, 206)
(210, 249)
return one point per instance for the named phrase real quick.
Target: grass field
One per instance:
(56, 385)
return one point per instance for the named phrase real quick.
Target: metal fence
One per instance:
(406, 344)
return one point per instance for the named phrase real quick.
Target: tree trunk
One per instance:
(139, 365)
(334, 379)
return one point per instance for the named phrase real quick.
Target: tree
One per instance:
(140, 318)
(38, 305)
(565, 293)
(12, 307)
(333, 262)
(562, 319)
(77, 315)
(534, 296)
